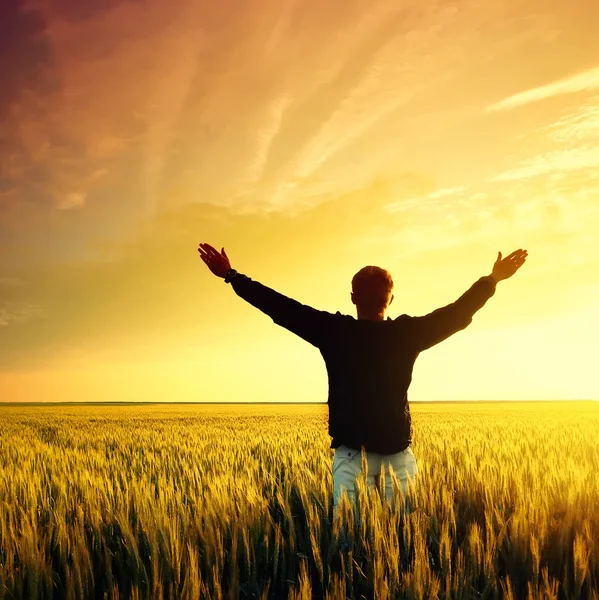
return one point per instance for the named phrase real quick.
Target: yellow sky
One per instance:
(309, 139)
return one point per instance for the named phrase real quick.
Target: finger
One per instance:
(207, 259)
(513, 254)
(213, 255)
(208, 249)
(518, 258)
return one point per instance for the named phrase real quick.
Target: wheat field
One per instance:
(216, 501)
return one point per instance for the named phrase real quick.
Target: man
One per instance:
(369, 362)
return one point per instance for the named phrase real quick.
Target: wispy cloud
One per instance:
(12, 314)
(577, 126)
(585, 81)
(425, 200)
(572, 141)
(266, 134)
(373, 68)
(71, 201)
(554, 162)
(388, 69)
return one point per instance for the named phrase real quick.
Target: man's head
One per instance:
(372, 292)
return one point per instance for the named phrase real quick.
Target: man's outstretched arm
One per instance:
(304, 321)
(440, 324)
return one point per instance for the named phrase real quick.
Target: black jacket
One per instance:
(369, 363)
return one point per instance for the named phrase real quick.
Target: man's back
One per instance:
(369, 366)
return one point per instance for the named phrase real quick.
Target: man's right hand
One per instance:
(504, 268)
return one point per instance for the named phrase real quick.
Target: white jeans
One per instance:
(347, 465)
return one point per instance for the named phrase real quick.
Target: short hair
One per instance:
(372, 287)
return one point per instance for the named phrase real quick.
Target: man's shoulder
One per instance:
(339, 316)
(404, 322)
(403, 318)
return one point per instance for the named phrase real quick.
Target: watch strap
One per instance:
(230, 274)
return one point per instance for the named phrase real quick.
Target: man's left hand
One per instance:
(217, 262)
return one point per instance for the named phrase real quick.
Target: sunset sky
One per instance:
(309, 139)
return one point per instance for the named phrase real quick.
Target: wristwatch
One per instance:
(230, 274)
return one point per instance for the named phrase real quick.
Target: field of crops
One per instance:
(192, 501)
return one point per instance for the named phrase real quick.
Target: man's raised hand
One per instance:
(504, 268)
(217, 262)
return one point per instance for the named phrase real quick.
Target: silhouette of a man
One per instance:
(369, 362)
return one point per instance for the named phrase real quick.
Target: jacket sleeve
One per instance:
(442, 323)
(305, 321)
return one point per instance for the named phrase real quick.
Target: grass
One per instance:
(189, 501)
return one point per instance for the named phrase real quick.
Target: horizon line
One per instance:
(146, 402)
